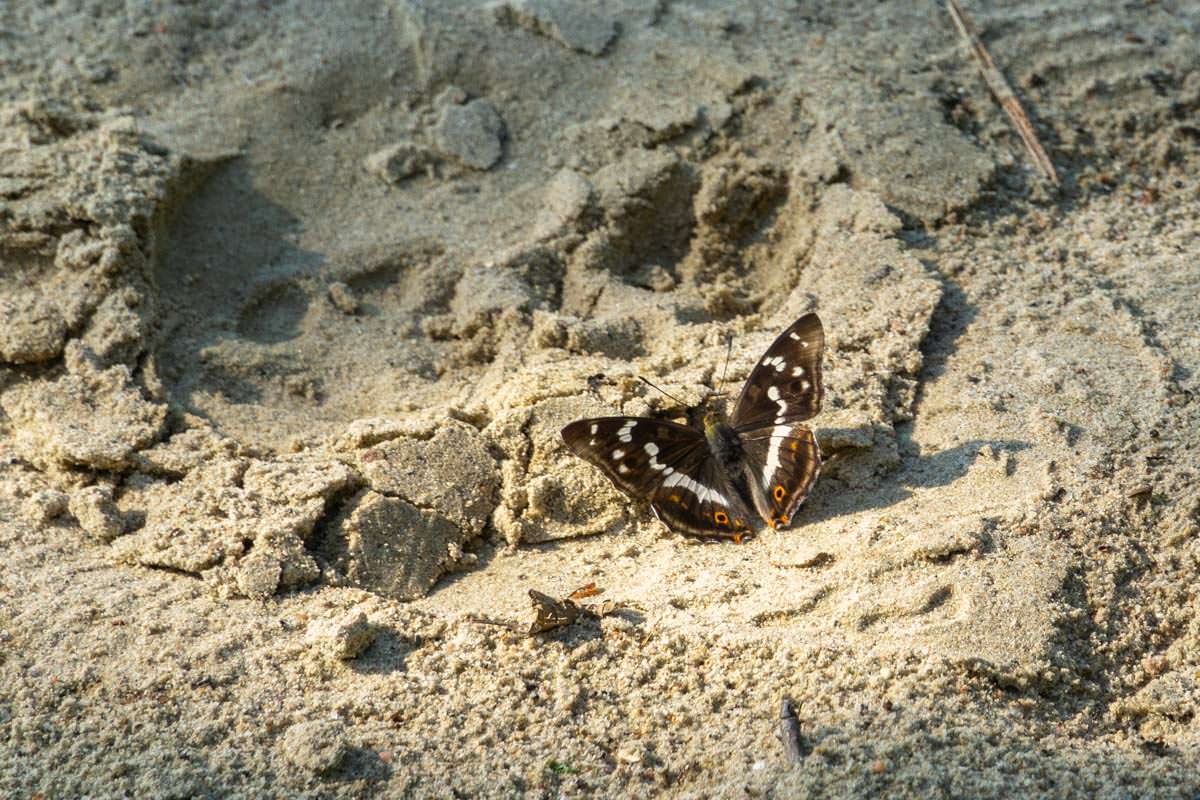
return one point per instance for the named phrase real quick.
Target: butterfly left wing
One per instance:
(696, 498)
(665, 463)
(634, 452)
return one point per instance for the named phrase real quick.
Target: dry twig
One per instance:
(789, 731)
(1002, 91)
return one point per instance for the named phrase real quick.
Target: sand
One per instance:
(295, 301)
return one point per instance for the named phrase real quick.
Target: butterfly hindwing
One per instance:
(785, 385)
(785, 461)
(697, 499)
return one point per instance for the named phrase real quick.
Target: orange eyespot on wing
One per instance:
(779, 494)
(721, 518)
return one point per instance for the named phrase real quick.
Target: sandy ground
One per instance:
(295, 301)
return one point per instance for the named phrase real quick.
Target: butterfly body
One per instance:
(729, 453)
(722, 474)
(723, 440)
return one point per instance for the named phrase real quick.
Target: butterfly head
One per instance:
(709, 414)
(712, 420)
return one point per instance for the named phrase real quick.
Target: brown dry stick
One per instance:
(789, 731)
(1002, 91)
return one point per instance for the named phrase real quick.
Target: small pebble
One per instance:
(342, 298)
(343, 638)
(96, 512)
(630, 753)
(472, 133)
(396, 162)
(44, 506)
(318, 747)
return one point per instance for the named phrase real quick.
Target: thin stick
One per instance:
(725, 369)
(789, 731)
(1002, 91)
(479, 619)
(653, 386)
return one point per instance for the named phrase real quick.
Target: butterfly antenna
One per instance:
(660, 389)
(725, 369)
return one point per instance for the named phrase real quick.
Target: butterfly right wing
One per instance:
(663, 462)
(786, 461)
(784, 389)
(785, 386)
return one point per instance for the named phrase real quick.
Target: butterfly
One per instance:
(720, 474)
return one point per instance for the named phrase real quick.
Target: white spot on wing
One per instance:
(595, 428)
(795, 337)
(778, 434)
(625, 432)
(621, 468)
(618, 455)
(652, 450)
(797, 372)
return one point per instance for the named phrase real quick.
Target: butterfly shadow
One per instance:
(835, 497)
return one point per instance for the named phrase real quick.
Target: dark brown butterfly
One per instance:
(719, 475)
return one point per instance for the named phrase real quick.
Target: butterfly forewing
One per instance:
(665, 463)
(634, 452)
(785, 385)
